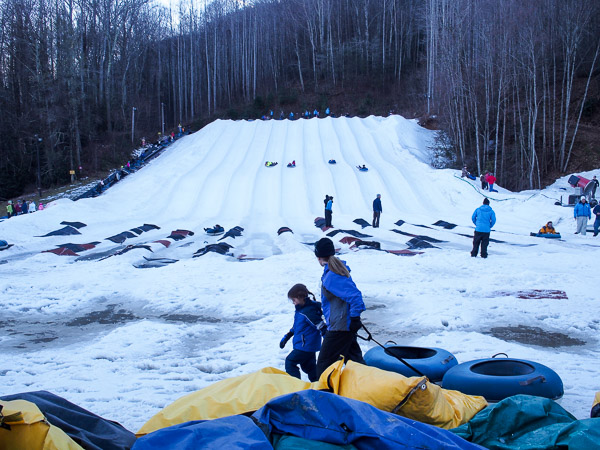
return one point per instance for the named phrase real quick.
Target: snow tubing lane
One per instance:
(430, 361)
(497, 379)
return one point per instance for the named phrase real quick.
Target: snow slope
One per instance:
(124, 342)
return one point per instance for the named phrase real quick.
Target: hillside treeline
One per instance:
(513, 84)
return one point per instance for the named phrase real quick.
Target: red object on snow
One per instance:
(61, 251)
(583, 182)
(349, 240)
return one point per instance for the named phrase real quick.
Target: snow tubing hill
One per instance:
(497, 379)
(432, 362)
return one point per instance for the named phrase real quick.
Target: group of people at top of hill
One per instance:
(22, 207)
(306, 114)
(487, 180)
(329, 327)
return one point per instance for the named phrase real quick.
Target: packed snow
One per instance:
(124, 341)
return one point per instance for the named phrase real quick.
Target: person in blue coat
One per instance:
(328, 210)
(306, 331)
(597, 221)
(484, 219)
(377, 210)
(342, 305)
(582, 214)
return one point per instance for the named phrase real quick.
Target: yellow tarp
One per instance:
(238, 395)
(30, 430)
(415, 398)
(596, 399)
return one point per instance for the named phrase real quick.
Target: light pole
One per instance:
(133, 109)
(162, 111)
(38, 141)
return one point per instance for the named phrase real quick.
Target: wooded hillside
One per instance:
(515, 85)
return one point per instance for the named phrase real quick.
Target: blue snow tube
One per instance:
(497, 379)
(366, 169)
(3, 245)
(215, 231)
(548, 235)
(430, 361)
(332, 161)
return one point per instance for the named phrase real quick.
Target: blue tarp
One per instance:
(90, 431)
(65, 231)
(228, 433)
(326, 417)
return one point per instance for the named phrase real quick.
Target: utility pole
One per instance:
(133, 109)
(38, 141)
(162, 110)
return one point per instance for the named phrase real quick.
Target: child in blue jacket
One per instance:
(307, 329)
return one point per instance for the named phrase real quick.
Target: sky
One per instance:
(124, 342)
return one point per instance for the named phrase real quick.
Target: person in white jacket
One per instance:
(31, 207)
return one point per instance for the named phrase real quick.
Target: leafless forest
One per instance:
(515, 84)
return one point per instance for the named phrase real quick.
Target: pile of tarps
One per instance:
(350, 407)
(415, 398)
(307, 419)
(41, 420)
(528, 422)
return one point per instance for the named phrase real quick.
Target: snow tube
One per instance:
(332, 161)
(497, 379)
(363, 169)
(3, 245)
(547, 235)
(432, 362)
(215, 231)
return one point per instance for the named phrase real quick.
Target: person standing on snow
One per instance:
(32, 208)
(328, 210)
(594, 186)
(306, 331)
(597, 221)
(582, 214)
(377, 210)
(484, 184)
(342, 305)
(10, 210)
(491, 179)
(484, 219)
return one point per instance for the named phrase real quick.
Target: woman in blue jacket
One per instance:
(307, 329)
(342, 305)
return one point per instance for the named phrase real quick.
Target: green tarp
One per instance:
(524, 422)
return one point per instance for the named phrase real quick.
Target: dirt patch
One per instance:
(534, 336)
